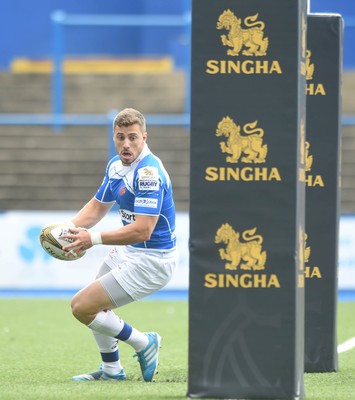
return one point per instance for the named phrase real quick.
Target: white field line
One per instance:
(346, 346)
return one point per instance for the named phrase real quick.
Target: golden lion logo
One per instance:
(250, 145)
(307, 250)
(252, 38)
(248, 255)
(301, 251)
(148, 171)
(309, 158)
(309, 66)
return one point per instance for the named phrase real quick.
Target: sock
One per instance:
(109, 324)
(108, 348)
(138, 340)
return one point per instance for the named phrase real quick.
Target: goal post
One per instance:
(247, 199)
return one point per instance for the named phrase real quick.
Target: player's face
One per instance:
(129, 142)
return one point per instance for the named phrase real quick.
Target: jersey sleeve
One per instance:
(104, 193)
(149, 191)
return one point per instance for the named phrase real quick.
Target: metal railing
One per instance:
(60, 20)
(104, 119)
(88, 119)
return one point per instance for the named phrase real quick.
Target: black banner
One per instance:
(247, 199)
(323, 74)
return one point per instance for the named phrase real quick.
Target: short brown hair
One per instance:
(128, 117)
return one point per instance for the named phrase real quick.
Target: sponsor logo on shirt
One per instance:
(127, 216)
(148, 173)
(148, 185)
(148, 178)
(145, 202)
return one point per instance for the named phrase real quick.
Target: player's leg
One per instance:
(139, 275)
(108, 348)
(92, 306)
(146, 345)
(107, 345)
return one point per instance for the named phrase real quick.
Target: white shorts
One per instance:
(141, 272)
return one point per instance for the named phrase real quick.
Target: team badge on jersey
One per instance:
(123, 190)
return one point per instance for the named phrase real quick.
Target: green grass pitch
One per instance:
(42, 347)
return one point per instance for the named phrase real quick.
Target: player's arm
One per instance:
(91, 213)
(138, 231)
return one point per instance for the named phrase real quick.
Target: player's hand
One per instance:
(81, 240)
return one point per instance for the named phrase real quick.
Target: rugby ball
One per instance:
(52, 242)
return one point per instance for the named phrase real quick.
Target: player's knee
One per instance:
(79, 310)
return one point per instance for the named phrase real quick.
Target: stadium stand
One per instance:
(45, 170)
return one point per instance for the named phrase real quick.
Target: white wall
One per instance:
(25, 265)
